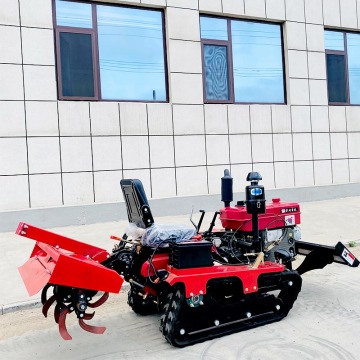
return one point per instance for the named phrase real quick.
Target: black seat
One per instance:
(137, 205)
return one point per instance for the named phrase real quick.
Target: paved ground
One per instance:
(324, 323)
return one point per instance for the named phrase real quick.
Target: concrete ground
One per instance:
(324, 323)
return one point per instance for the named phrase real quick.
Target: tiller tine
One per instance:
(62, 324)
(44, 293)
(47, 305)
(76, 272)
(99, 302)
(91, 328)
(89, 316)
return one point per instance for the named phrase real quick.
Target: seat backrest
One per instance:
(137, 205)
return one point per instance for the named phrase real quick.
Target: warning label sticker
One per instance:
(348, 256)
(290, 220)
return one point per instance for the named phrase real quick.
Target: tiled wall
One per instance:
(68, 153)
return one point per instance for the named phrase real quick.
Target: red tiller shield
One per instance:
(59, 260)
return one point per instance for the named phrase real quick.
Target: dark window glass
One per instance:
(353, 52)
(334, 40)
(73, 14)
(213, 28)
(131, 52)
(216, 72)
(336, 78)
(76, 65)
(257, 62)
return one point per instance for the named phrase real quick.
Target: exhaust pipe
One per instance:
(227, 188)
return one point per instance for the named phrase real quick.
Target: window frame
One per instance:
(228, 44)
(345, 54)
(95, 52)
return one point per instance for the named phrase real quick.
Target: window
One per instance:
(243, 61)
(109, 52)
(343, 67)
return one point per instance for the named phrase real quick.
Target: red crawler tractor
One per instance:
(205, 284)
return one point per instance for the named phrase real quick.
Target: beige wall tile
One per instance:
(284, 174)
(233, 7)
(217, 149)
(45, 190)
(262, 148)
(295, 35)
(348, 14)
(185, 56)
(260, 118)
(107, 186)
(283, 147)
(354, 145)
(10, 44)
(281, 118)
(239, 119)
(135, 150)
(74, 118)
(161, 3)
(337, 118)
(320, 119)
(352, 118)
(106, 152)
(105, 118)
(314, 11)
(210, 5)
(300, 119)
(275, 9)
(12, 76)
(44, 154)
(78, 189)
(322, 172)
(160, 119)
(295, 10)
(331, 10)
(38, 46)
(133, 119)
(317, 65)
(240, 149)
(255, 8)
(187, 4)
(190, 150)
(299, 92)
(12, 117)
(13, 156)
(40, 83)
(318, 92)
(315, 37)
(321, 146)
(186, 88)
(76, 154)
(42, 118)
(302, 147)
(161, 151)
(191, 181)
(216, 119)
(163, 183)
(339, 146)
(298, 64)
(354, 168)
(183, 24)
(340, 171)
(11, 15)
(304, 173)
(14, 192)
(36, 13)
(188, 119)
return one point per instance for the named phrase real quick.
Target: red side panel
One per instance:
(59, 260)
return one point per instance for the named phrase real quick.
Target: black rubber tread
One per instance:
(178, 315)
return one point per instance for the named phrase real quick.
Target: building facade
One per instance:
(172, 92)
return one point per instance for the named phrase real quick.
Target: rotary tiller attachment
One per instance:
(74, 270)
(70, 300)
